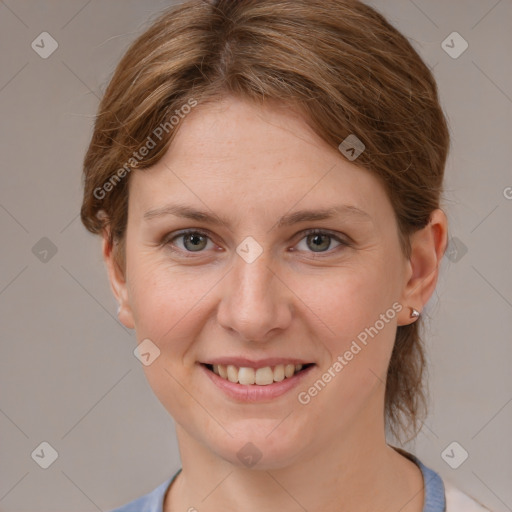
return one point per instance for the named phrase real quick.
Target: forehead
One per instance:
(233, 152)
(232, 130)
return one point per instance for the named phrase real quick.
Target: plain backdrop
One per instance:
(68, 376)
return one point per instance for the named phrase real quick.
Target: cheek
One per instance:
(355, 323)
(357, 331)
(164, 299)
(346, 301)
(165, 303)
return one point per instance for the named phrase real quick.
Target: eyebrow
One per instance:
(187, 212)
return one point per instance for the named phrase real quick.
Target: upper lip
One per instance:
(251, 363)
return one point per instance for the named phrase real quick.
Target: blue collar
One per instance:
(434, 497)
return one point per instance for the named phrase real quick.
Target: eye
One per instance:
(195, 241)
(320, 241)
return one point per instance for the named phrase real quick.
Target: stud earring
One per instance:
(414, 313)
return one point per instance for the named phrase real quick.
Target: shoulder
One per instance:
(458, 501)
(441, 494)
(150, 502)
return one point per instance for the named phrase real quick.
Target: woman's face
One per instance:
(257, 288)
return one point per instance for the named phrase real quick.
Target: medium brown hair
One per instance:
(339, 62)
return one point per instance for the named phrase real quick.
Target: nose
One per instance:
(255, 303)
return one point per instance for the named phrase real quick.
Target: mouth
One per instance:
(262, 376)
(256, 383)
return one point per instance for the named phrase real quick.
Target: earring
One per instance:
(118, 309)
(414, 313)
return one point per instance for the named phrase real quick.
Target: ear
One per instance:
(428, 246)
(117, 282)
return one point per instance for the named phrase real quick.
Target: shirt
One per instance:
(438, 497)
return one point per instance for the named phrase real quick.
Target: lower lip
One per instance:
(254, 392)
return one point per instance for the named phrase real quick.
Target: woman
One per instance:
(266, 176)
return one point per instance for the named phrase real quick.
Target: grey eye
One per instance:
(320, 242)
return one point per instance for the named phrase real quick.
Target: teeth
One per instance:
(264, 376)
(279, 373)
(260, 376)
(222, 370)
(232, 373)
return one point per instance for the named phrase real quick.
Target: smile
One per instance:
(256, 383)
(256, 376)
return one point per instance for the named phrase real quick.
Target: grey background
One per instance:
(68, 375)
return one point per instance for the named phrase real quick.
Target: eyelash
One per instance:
(167, 241)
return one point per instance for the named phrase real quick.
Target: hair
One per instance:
(338, 62)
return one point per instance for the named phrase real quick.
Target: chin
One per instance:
(257, 450)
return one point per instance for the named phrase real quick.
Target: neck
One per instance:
(359, 472)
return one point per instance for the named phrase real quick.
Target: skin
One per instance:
(251, 165)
